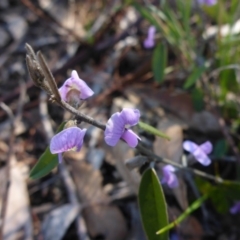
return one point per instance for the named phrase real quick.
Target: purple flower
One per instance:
(68, 139)
(169, 176)
(75, 89)
(207, 2)
(149, 41)
(199, 152)
(235, 208)
(117, 127)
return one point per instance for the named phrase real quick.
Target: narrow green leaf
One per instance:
(152, 130)
(159, 62)
(220, 148)
(152, 205)
(146, 13)
(185, 7)
(197, 95)
(195, 205)
(192, 79)
(47, 162)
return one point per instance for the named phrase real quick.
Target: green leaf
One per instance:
(195, 205)
(197, 98)
(221, 148)
(146, 13)
(47, 162)
(192, 79)
(185, 7)
(152, 130)
(152, 205)
(159, 62)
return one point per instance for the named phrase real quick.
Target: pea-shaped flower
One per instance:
(117, 127)
(66, 140)
(199, 151)
(169, 176)
(149, 42)
(74, 89)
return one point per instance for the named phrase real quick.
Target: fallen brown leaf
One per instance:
(102, 219)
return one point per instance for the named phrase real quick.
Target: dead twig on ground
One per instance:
(8, 165)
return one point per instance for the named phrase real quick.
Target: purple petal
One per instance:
(206, 147)
(86, 91)
(190, 146)
(64, 90)
(201, 157)
(235, 208)
(169, 176)
(148, 43)
(130, 116)
(77, 84)
(67, 139)
(151, 32)
(114, 129)
(207, 2)
(130, 138)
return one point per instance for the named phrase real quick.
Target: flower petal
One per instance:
(130, 138)
(75, 83)
(206, 147)
(85, 90)
(190, 146)
(114, 129)
(67, 139)
(201, 157)
(64, 90)
(148, 43)
(130, 116)
(151, 32)
(207, 2)
(169, 176)
(235, 208)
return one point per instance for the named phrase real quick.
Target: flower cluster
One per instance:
(73, 91)
(199, 152)
(118, 126)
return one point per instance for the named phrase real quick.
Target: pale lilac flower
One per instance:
(169, 176)
(199, 151)
(117, 127)
(207, 2)
(75, 89)
(68, 139)
(149, 42)
(235, 208)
